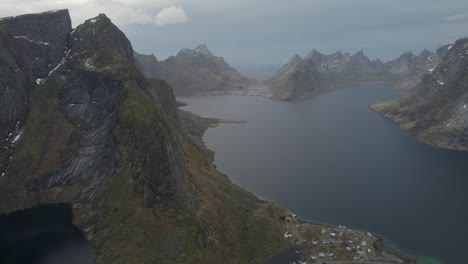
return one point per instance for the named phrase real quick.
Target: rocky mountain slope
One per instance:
(318, 73)
(436, 109)
(82, 126)
(30, 48)
(406, 71)
(194, 71)
(90, 130)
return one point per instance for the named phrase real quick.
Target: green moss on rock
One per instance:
(137, 110)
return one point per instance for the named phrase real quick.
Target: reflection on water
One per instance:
(332, 160)
(290, 256)
(257, 90)
(43, 235)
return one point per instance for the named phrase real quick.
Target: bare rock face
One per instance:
(91, 133)
(433, 86)
(88, 101)
(193, 71)
(72, 116)
(407, 70)
(31, 46)
(318, 73)
(37, 41)
(100, 34)
(148, 64)
(436, 109)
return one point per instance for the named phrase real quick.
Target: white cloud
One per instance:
(456, 17)
(122, 12)
(170, 15)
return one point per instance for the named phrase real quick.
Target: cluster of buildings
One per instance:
(331, 243)
(346, 238)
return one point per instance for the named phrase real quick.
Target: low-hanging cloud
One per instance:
(170, 16)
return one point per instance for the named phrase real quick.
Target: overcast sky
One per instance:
(271, 31)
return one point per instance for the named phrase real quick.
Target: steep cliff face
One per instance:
(87, 97)
(31, 46)
(407, 70)
(98, 136)
(90, 117)
(194, 71)
(93, 132)
(149, 65)
(435, 110)
(318, 73)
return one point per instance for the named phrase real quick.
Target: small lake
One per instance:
(330, 159)
(43, 235)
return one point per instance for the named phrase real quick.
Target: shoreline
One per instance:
(270, 95)
(220, 92)
(387, 245)
(230, 121)
(386, 253)
(407, 129)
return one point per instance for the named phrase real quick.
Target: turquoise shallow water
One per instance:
(419, 258)
(332, 160)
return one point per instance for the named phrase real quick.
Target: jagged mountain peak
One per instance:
(359, 54)
(425, 57)
(445, 45)
(314, 54)
(101, 18)
(295, 59)
(426, 53)
(149, 57)
(318, 73)
(31, 46)
(443, 49)
(378, 65)
(435, 108)
(38, 28)
(359, 58)
(199, 51)
(338, 53)
(44, 14)
(293, 62)
(194, 71)
(377, 60)
(408, 55)
(98, 34)
(203, 49)
(152, 56)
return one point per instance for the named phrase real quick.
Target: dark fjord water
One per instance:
(332, 160)
(43, 235)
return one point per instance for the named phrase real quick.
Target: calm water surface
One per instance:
(332, 160)
(43, 235)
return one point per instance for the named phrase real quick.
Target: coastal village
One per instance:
(318, 244)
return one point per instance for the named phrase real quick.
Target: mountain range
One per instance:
(433, 88)
(81, 125)
(435, 109)
(194, 71)
(317, 73)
